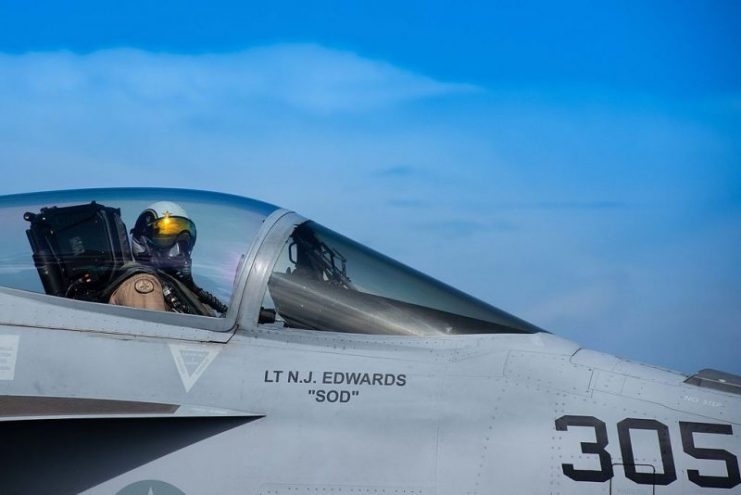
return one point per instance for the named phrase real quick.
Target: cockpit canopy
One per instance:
(325, 281)
(77, 245)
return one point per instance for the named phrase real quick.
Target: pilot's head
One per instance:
(164, 236)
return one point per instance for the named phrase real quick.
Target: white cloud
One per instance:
(303, 76)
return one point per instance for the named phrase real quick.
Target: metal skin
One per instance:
(111, 400)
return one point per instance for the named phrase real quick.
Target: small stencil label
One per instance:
(8, 354)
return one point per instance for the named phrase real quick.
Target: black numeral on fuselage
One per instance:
(688, 444)
(668, 473)
(598, 447)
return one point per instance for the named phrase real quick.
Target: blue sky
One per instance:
(578, 165)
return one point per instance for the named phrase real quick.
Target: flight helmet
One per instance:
(163, 237)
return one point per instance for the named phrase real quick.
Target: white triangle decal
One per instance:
(192, 360)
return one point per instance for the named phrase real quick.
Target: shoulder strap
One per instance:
(185, 295)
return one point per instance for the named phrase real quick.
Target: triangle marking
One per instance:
(191, 361)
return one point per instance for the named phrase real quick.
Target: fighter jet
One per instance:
(278, 357)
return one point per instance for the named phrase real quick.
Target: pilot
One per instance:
(162, 241)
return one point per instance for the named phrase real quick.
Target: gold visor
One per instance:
(167, 230)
